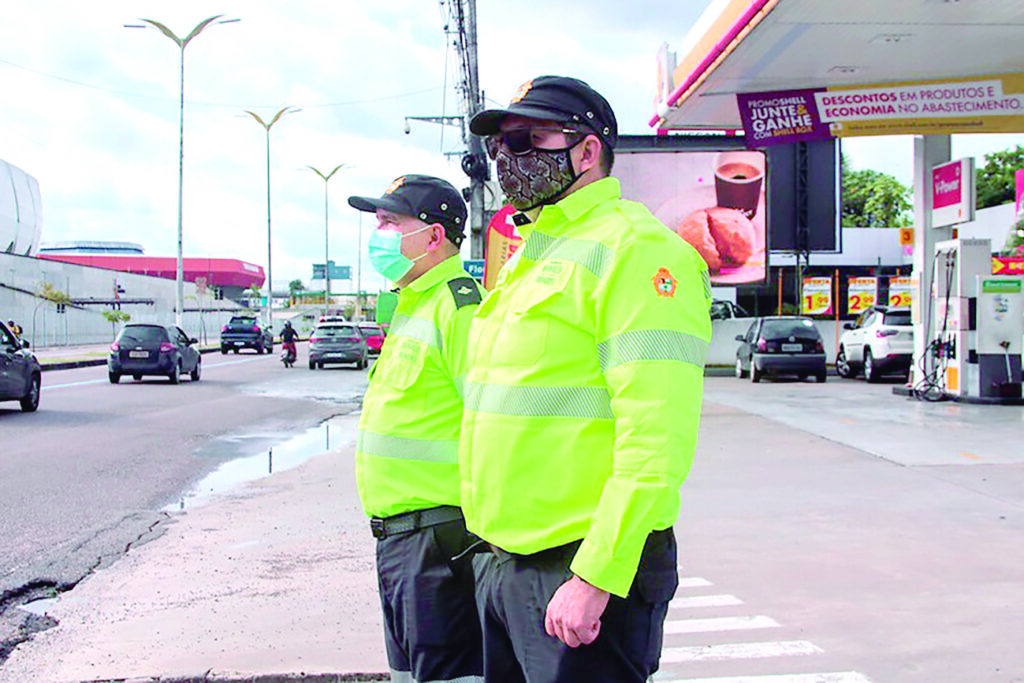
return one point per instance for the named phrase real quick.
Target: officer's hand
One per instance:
(574, 613)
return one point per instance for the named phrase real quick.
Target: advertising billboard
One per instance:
(715, 200)
(992, 104)
(862, 294)
(953, 195)
(816, 296)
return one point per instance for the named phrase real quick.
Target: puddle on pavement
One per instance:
(276, 458)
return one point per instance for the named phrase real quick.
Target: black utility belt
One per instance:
(571, 547)
(382, 527)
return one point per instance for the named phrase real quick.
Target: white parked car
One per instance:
(881, 341)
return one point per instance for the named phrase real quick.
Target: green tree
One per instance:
(51, 293)
(995, 180)
(1015, 240)
(295, 287)
(872, 199)
(115, 317)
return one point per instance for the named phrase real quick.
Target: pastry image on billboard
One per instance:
(722, 236)
(715, 200)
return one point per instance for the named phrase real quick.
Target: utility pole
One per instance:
(474, 164)
(461, 27)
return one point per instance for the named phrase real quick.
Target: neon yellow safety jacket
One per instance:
(407, 445)
(584, 387)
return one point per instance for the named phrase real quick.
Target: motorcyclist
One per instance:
(288, 339)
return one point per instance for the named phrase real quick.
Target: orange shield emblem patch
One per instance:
(395, 184)
(521, 93)
(664, 282)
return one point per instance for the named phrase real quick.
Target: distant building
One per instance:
(226, 278)
(90, 247)
(21, 211)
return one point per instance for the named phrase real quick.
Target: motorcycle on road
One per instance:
(288, 354)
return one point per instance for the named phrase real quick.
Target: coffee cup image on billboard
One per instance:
(738, 180)
(724, 235)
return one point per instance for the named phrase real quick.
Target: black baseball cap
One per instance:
(428, 198)
(554, 98)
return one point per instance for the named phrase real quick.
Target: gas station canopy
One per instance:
(743, 46)
(803, 71)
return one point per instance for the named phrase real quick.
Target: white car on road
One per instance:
(880, 341)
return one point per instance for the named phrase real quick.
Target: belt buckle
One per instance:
(377, 528)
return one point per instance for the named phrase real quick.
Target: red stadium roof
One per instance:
(219, 272)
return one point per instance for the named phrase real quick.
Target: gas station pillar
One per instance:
(929, 151)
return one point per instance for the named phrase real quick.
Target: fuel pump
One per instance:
(974, 353)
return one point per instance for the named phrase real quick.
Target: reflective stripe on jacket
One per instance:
(584, 386)
(407, 444)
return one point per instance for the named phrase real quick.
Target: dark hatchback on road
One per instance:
(20, 373)
(781, 345)
(141, 350)
(337, 343)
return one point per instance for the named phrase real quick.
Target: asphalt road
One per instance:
(87, 476)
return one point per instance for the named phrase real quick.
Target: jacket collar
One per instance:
(441, 272)
(577, 204)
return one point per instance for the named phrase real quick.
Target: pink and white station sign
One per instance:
(953, 196)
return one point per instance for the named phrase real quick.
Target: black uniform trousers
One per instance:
(431, 628)
(513, 592)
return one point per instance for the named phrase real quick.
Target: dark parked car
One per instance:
(782, 345)
(20, 373)
(337, 343)
(153, 350)
(246, 332)
(374, 337)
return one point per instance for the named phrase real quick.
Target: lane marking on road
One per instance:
(836, 677)
(719, 624)
(693, 582)
(104, 380)
(711, 653)
(704, 601)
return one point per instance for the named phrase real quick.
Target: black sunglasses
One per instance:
(519, 141)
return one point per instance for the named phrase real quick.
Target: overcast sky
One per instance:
(91, 109)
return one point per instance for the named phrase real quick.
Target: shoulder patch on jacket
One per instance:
(464, 291)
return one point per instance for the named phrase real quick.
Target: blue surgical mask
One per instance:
(385, 251)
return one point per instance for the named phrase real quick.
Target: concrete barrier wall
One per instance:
(22, 278)
(724, 344)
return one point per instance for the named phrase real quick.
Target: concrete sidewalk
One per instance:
(85, 355)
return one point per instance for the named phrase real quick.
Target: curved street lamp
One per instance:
(182, 43)
(327, 262)
(267, 125)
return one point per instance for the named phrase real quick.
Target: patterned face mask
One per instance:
(536, 178)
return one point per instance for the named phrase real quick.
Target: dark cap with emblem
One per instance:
(554, 98)
(430, 199)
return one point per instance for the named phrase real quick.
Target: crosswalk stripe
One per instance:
(704, 601)
(693, 582)
(837, 677)
(705, 653)
(719, 624)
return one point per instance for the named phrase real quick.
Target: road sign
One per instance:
(475, 267)
(337, 272)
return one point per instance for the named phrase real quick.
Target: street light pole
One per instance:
(267, 125)
(182, 43)
(327, 261)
